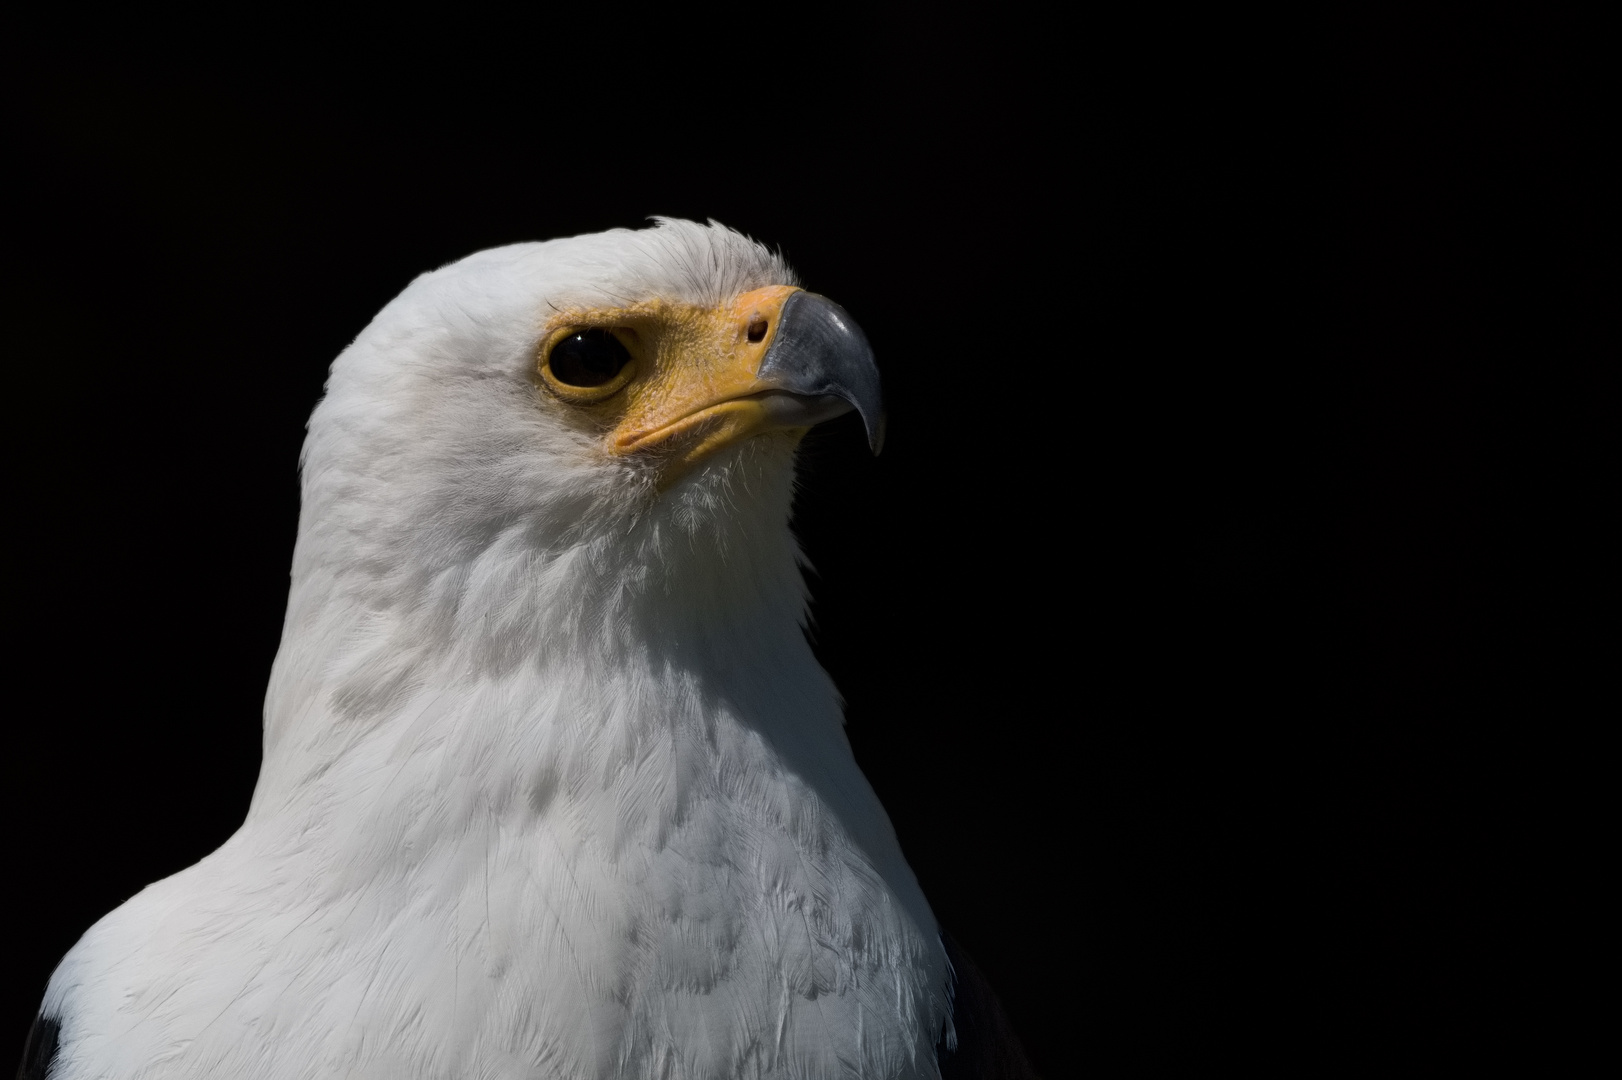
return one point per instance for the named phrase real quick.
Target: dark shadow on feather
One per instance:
(39, 1052)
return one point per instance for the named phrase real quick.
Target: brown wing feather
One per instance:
(40, 1049)
(987, 1048)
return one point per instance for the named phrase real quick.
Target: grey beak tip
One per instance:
(819, 350)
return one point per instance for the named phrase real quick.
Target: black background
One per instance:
(1213, 623)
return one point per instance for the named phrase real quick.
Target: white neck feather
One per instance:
(642, 706)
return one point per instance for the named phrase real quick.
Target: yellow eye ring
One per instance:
(586, 364)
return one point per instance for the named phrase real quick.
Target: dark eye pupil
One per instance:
(589, 358)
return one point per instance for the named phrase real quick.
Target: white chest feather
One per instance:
(681, 899)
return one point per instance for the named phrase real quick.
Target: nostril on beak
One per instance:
(757, 330)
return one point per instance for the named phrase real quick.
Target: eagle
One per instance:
(552, 783)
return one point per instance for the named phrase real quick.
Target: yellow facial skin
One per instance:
(690, 388)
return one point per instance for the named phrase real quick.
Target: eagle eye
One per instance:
(588, 358)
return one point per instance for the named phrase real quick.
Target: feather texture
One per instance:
(552, 784)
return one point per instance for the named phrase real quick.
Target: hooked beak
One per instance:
(778, 359)
(821, 358)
